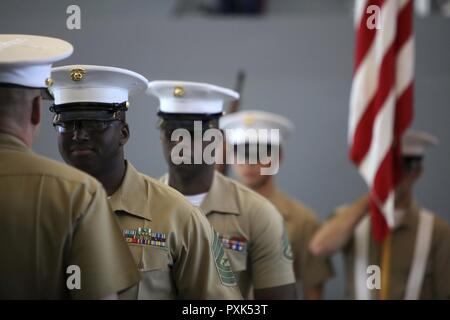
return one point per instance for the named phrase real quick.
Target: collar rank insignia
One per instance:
(235, 243)
(144, 236)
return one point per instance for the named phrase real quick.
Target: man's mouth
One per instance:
(81, 150)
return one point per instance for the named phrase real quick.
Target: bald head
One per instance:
(20, 112)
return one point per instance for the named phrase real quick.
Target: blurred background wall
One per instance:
(298, 57)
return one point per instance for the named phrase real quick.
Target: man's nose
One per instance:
(79, 134)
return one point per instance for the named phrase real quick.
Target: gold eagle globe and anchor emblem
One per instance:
(77, 74)
(178, 91)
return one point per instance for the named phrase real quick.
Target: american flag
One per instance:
(381, 100)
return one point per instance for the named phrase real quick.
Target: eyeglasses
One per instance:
(87, 125)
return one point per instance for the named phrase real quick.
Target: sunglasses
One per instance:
(93, 126)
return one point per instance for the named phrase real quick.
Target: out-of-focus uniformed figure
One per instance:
(58, 236)
(172, 243)
(301, 222)
(249, 226)
(419, 241)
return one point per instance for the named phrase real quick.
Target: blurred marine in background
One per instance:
(420, 241)
(301, 222)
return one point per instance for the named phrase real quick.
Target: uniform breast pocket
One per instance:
(154, 258)
(156, 277)
(238, 260)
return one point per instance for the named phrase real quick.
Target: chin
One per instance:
(189, 170)
(84, 165)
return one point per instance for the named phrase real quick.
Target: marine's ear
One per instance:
(124, 133)
(36, 110)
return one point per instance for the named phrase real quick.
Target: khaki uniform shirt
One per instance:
(436, 282)
(252, 232)
(301, 224)
(52, 217)
(172, 243)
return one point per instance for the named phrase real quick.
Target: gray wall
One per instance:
(298, 66)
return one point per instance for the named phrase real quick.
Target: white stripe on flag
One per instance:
(382, 138)
(360, 8)
(389, 209)
(405, 66)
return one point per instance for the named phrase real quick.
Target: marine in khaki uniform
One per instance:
(250, 228)
(420, 240)
(56, 225)
(311, 272)
(173, 245)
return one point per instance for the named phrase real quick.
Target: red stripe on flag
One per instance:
(404, 24)
(363, 133)
(403, 111)
(384, 179)
(380, 228)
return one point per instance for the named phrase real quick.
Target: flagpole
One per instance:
(386, 267)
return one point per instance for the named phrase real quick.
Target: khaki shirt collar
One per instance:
(219, 197)
(8, 141)
(133, 195)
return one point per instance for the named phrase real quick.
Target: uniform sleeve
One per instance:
(202, 269)
(100, 252)
(313, 270)
(348, 246)
(442, 261)
(270, 251)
